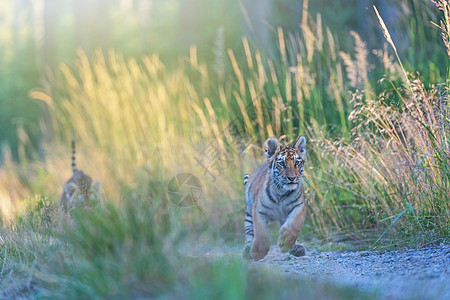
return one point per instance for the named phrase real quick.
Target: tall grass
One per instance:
(125, 252)
(136, 122)
(378, 159)
(133, 115)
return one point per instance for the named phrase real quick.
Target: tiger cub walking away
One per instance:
(79, 190)
(275, 192)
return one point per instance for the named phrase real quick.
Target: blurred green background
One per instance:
(37, 35)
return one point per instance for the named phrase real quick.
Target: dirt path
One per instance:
(411, 274)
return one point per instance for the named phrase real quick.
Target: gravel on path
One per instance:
(412, 274)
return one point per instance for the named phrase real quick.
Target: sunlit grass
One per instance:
(384, 164)
(126, 251)
(136, 122)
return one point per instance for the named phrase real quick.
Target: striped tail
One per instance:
(74, 166)
(246, 177)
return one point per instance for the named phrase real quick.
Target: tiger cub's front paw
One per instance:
(259, 250)
(286, 240)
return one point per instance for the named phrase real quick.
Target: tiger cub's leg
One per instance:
(75, 198)
(261, 242)
(248, 223)
(248, 226)
(290, 229)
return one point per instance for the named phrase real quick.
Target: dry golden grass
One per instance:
(136, 122)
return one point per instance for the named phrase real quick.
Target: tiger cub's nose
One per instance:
(291, 178)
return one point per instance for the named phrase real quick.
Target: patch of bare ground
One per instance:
(410, 274)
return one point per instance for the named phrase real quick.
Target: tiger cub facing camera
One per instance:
(275, 192)
(80, 190)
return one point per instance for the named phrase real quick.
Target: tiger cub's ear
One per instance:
(270, 147)
(300, 145)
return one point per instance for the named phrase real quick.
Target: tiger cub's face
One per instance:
(286, 162)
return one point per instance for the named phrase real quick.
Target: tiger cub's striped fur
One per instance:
(275, 192)
(80, 189)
